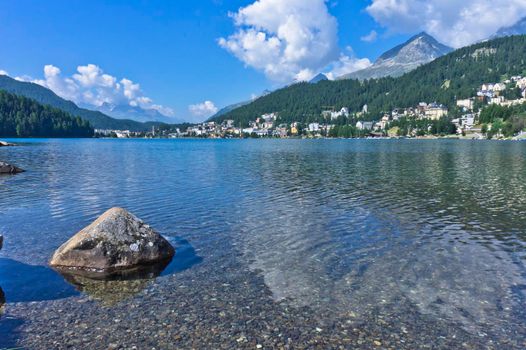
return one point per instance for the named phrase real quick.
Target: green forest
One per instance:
(454, 76)
(24, 117)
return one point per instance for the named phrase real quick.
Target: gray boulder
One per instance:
(6, 168)
(117, 240)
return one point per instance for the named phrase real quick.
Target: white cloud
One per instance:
(456, 23)
(203, 110)
(287, 40)
(91, 86)
(371, 37)
(348, 63)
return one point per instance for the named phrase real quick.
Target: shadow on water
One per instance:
(110, 289)
(26, 283)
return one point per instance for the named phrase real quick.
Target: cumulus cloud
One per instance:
(203, 110)
(456, 23)
(371, 37)
(347, 63)
(91, 86)
(287, 40)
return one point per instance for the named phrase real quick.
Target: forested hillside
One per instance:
(47, 97)
(24, 117)
(451, 77)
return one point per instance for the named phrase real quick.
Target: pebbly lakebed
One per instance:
(400, 244)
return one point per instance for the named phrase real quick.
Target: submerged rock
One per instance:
(6, 168)
(115, 287)
(117, 240)
(1, 241)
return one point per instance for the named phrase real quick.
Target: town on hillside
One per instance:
(497, 110)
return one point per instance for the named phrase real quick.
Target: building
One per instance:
(497, 100)
(364, 125)
(467, 104)
(314, 127)
(435, 111)
(294, 128)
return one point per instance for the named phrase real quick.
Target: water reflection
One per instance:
(434, 228)
(373, 227)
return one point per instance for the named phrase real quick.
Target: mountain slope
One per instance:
(418, 50)
(456, 75)
(518, 28)
(24, 117)
(47, 97)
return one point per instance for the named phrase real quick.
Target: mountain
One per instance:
(135, 113)
(418, 50)
(318, 78)
(456, 75)
(518, 28)
(45, 96)
(229, 108)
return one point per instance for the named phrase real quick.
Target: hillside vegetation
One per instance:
(451, 77)
(24, 117)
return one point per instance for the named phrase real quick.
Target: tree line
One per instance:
(24, 117)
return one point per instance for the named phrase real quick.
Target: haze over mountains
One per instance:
(134, 113)
(518, 28)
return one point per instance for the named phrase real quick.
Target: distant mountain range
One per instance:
(97, 119)
(134, 113)
(418, 50)
(518, 28)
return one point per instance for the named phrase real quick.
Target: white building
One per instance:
(314, 127)
(364, 125)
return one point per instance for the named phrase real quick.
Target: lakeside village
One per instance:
(489, 114)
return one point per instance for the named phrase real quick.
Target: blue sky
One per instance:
(172, 49)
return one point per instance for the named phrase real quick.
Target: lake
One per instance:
(402, 244)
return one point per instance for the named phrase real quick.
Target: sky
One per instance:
(187, 59)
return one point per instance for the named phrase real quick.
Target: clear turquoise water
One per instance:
(390, 228)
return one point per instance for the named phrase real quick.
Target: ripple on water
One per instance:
(432, 230)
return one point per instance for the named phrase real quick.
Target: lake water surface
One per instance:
(280, 243)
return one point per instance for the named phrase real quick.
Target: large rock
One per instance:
(117, 240)
(9, 169)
